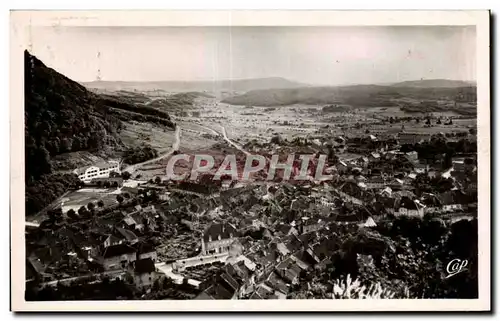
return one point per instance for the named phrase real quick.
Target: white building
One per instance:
(102, 169)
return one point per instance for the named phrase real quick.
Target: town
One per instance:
(291, 163)
(257, 238)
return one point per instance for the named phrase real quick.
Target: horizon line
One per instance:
(388, 83)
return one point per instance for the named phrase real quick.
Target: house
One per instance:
(35, 270)
(342, 167)
(458, 163)
(146, 251)
(264, 292)
(412, 176)
(408, 207)
(421, 168)
(312, 225)
(280, 287)
(374, 156)
(403, 193)
(454, 200)
(144, 273)
(375, 182)
(119, 256)
(112, 240)
(412, 156)
(385, 203)
(431, 202)
(289, 271)
(386, 192)
(363, 161)
(286, 229)
(102, 169)
(369, 223)
(222, 287)
(126, 235)
(405, 138)
(352, 192)
(218, 238)
(316, 253)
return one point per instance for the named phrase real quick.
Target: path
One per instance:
(175, 146)
(233, 143)
(167, 269)
(67, 281)
(154, 99)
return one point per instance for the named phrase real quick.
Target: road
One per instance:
(67, 281)
(167, 269)
(233, 143)
(154, 99)
(175, 146)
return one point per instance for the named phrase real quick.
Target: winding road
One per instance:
(175, 146)
(238, 147)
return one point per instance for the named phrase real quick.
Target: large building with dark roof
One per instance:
(218, 238)
(119, 256)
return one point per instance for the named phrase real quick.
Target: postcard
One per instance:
(250, 160)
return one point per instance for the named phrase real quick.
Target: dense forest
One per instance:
(140, 154)
(62, 116)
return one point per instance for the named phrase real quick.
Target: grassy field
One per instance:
(82, 197)
(135, 133)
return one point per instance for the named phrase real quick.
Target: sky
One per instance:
(312, 55)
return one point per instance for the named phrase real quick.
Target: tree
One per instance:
(447, 161)
(71, 214)
(114, 174)
(472, 131)
(55, 214)
(119, 198)
(126, 175)
(126, 195)
(82, 211)
(157, 180)
(156, 285)
(276, 139)
(91, 206)
(100, 203)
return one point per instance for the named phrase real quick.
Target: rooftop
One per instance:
(144, 266)
(225, 230)
(117, 250)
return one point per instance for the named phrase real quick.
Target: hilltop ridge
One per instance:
(241, 85)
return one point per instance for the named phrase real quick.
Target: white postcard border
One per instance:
(20, 38)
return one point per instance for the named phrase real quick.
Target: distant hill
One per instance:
(358, 96)
(238, 85)
(435, 83)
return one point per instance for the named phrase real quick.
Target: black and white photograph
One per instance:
(251, 162)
